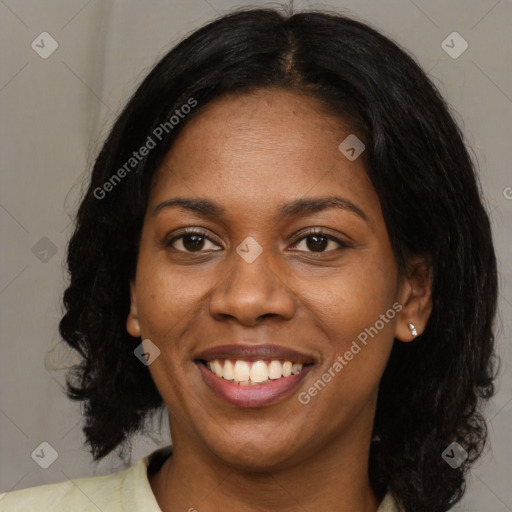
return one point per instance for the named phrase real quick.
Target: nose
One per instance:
(251, 291)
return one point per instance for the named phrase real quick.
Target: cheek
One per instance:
(169, 304)
(165, 304)
(169, 299)
(355, 313)
(353, 296)
(359, 344)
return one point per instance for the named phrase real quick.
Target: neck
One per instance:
(330, 478)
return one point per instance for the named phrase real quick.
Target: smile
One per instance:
(253, 384)
(250, 374)
(253, 372)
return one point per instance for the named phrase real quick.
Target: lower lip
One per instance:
(252, 395)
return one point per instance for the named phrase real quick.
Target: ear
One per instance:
(132, 322)
(415, 296)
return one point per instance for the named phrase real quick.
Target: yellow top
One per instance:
(125, 491)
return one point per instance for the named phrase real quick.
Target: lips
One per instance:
(254, 353)
(248, 383)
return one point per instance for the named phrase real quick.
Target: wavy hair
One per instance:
(416, 158)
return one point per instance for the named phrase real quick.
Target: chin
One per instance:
(251, 456)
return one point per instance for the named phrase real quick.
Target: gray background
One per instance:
(55, 113)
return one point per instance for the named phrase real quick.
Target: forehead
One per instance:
(253, 151)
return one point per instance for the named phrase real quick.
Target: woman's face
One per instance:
(254, 277)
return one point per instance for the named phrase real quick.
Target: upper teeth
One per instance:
(253, 372)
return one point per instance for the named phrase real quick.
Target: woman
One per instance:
(284, 244)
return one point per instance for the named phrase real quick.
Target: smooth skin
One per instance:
(251, 153)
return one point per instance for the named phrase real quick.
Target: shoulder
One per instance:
(124, 491)
(80, 495)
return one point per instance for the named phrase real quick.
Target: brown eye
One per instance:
(317, 241)
(192, 241)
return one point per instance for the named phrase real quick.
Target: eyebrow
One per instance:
(210, 209)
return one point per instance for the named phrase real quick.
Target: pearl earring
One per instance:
(414, 332)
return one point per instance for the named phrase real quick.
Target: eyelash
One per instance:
(303, 236)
